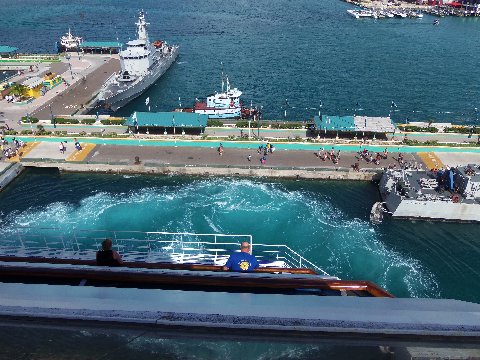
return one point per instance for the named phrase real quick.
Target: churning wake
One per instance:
(273, 213)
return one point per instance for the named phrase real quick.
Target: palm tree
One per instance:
(18, 90)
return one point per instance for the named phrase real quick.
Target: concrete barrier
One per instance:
(9, 174)
(333, 174)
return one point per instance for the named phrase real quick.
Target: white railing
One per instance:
(140, 246)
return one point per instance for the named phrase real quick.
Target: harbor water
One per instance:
(305, 51)
(4, 75)
(325, 221)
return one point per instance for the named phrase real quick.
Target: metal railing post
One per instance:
(20, 238)
(76, 240)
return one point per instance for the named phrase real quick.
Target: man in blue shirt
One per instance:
(242, 261)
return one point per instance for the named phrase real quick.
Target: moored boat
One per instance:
(69, 43)
(444, 195)
(225, 105)
(143, 63)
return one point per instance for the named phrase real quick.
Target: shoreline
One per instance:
(382, 5)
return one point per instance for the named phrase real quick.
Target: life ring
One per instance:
(456, 198)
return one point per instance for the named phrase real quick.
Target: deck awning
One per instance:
(167, 119)
(33, 82)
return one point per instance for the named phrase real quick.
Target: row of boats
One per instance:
(383, 14)
(143, 63)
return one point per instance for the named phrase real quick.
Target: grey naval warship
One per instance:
(445, 195)
(142, 65)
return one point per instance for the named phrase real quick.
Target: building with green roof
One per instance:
(364, 125)
(100, 47)
(170, 122)
(7, 51)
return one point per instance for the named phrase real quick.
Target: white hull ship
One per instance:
(452, 195)
(224, 105)
(142, 65)
(69, 43)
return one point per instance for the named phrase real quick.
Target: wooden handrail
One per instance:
(145, 265)
(233, 280)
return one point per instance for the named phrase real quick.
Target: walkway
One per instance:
(199, 156)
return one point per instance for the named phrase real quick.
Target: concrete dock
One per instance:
(84, 75)
(201, 161)
(205, 160)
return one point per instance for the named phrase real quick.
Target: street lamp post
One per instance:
(52, 119)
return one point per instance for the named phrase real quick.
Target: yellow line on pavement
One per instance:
(431, 160)
(23, 151)
(80, 155)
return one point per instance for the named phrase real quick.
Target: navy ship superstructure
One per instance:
(142, 65)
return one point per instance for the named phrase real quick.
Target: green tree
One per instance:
(18, 90)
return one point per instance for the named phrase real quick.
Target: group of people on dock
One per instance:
(10, 151)
(329, 155)
(369, 157)
(264, 151)
(62, 147)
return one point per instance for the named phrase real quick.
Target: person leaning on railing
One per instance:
(242, 261)
(107, 256)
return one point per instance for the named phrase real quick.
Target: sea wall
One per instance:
(270, 172)
(9, 174)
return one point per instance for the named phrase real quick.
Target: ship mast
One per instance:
(223, 84)
(142, 27)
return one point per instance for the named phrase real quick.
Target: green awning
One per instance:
(4, 49)
(167, 119)
(101, 44)
(334, 123)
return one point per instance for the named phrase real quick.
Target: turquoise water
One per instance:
(325, 221)
(254, 145)
(304, 51)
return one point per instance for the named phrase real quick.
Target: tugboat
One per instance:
(142, 65)
(69, 43)
(225, 105)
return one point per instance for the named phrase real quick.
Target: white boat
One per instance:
(224, 105)
(68, 42)
(400, 14)
(142, 65)
(357, 14)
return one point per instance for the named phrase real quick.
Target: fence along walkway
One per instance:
(150, 247)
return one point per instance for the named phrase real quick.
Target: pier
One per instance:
(182, 157)
(82, 77)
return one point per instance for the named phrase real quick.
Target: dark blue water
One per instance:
(325, 221)
(5, 75)
(304, 50)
